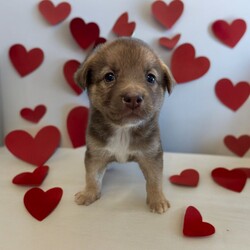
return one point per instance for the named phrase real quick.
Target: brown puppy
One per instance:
(126, 83)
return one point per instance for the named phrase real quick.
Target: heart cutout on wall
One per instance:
(35, 178)
(167, 14)
(188, 177)
(232, 96)
(185, 66)
(234, 179)
(238, 146)
(25, 61)
(34, 115)
(229, 34)
(77, 122)
(54, 14)
(169, 43)
(37, 150)
(69, 69)
(40, 204)
(85, 34)
(122, 27)
(194, 225)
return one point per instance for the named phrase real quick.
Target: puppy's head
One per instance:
(125, 80)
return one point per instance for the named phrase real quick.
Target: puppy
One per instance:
(126, 83)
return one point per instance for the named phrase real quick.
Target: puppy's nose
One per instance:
(132, 101)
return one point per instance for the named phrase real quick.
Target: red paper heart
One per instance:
(122, 27)
(40, 204)
(185, 67)
(24, 61)
(54, 14)
(234, 179)
(194, 226)
(239, 146)
(169, 43)
(232, 96)
(69, 70)
(35, 151)
(167, 15)
(188, 177)
(32, 179)
(229, 34)
(77, 122)
(84, 34)
(33, 115)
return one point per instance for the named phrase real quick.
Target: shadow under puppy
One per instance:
(126, 83)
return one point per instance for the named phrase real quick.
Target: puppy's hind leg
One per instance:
(95, 170)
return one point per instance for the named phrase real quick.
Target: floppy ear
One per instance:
(83, 76)
(169, 81)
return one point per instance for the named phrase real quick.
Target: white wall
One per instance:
(192, 119)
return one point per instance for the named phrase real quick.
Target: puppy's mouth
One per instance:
(128, 116)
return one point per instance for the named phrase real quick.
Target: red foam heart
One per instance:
(169, 43)
(54, 14)
(165, 14)
(69, 70)
(185, 66)
(33, 115)
(85, 34)
(122, 27)
(229, 34)
(188, 177)
(32, 179)
(40, 204)
(232, 96)
(194, 226)
(239, 146)
(77, 122)
(24, 61)
(37, 150)
(234, 179)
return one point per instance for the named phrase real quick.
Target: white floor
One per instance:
(120, 219)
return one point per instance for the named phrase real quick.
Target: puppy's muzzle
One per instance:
(132, 101)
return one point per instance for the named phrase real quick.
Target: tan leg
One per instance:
(152, 170)
(95, 170)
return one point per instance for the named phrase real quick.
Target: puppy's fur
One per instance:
(126, 83)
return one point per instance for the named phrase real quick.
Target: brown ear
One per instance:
(169, 81)
(83, 75)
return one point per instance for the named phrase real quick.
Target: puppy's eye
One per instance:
(109, 77)
(151, 78)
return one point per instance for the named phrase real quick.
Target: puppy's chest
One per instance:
(119, 144)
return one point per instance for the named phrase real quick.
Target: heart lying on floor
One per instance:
(194, 226)
(188, 177)
(35, 178)
(40, 204)
(234, 179)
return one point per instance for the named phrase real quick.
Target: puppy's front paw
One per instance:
(86, 197)
(159, 205)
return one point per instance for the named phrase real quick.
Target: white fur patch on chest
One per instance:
(118, 144)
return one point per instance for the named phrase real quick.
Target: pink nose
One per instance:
(132, 101)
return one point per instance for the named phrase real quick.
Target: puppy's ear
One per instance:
(169, 81)
(83, 76)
